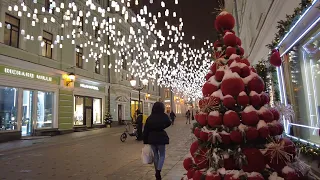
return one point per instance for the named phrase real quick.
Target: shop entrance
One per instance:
(27, 112)
(87, 111)
(120, 115)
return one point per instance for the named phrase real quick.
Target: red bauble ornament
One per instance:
(209, 75)
(236, 69)
(217, 44)
(232, 86)
(219, 75)
(265, 114)
(194, 147)
(213, 177)
(236, 137)
(229, 102)
(250, 116)
(197, 175)
(253, 69)
(245, 61)
(289, 146)
(256, 84)
(274, 130)
(280, 127)
(276, 114)
(255, 159)
(213, 68)
(230, 61)
(264, 132)
(245, 72)
(214, 119)
(202, 119)
(265, 99)
(240, 51)
(243, 99)
(231, 119)
(187, 163)
(204, 136)
(224, 21)
(255, 99)
(196, 132)
(239, 41)
(201, 160)
(275, 59)
(190, 173)
(208, 89)
(252, 134)
(230, 50)
(230, 39)
(225, 138)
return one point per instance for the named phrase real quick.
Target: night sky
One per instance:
(198, 17)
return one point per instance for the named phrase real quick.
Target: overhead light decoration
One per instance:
(158, 55)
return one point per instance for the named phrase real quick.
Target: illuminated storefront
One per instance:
(27, 100)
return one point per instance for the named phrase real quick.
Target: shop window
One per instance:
(97, 111)
(8, 108)
(11, 31)
(167, 93)
(44, 109)
(47, 43)
(135, 105)
(124, 62)
(97, 66)
(79, 54)
(301, 79)
(80, 21)
(78, 114)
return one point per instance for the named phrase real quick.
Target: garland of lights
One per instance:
(150, 53)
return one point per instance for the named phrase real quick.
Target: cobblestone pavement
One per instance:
(90, 155)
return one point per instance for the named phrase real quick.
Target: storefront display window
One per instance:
(44, 109)
(87, 111)
(134, 107)
(301, 76)
(8, 108)
(97, 111)
(78, 113)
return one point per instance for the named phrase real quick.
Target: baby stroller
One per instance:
(129, 126)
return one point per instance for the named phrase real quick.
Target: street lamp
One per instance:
(139, 88)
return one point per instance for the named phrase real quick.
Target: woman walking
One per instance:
(155, 135)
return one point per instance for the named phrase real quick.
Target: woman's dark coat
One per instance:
(154, 132)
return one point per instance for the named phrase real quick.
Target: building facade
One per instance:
(54, 69)
(256, 23)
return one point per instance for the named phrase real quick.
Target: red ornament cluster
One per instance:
(242, 117)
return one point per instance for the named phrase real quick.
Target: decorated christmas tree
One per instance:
(239, 137)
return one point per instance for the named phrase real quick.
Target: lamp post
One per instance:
(139, 88)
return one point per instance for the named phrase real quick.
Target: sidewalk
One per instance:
(91, 155)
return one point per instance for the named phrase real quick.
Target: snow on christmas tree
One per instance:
(238, 135)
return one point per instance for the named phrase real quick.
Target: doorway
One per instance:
(27, 112)
(120, 114)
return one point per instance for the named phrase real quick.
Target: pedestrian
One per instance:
(188, 114)
(155, 135)
(173, 117)
(139, 122)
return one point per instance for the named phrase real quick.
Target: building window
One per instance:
(97, 66)
(124, 62)
(97, 1)
(79, 54)
(8, 108)
(167, 93)
(47, 6)
(87, 110)
(80, 21)
(47, 43)
(11, 32)
(96, 31)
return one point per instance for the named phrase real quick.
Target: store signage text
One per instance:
(27, 74)
(89, 87)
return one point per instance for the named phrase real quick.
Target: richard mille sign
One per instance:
(89, 87)
(26, 74)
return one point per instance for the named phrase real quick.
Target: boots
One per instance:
(158, 174)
